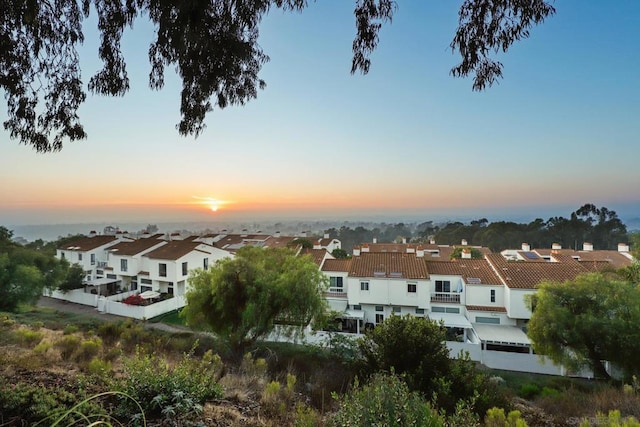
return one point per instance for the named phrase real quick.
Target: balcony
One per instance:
(102, 264)
(335, 294)
(448, 297)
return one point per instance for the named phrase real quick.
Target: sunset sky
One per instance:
(560, 130)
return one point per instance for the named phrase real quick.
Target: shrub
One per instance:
(42, 348)
(271, 401)
(496, 418)
(306, 416)
(110, 332)
(99, 367)
(28, 337)
(70, 329)
(384, 401)
(549, 392)
(613, 419)
(529, 391)
(88, 350)
(67, 345)
(151, 382)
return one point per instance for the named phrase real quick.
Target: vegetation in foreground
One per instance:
(184, 379)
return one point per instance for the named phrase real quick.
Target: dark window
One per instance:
(111, 276)
(493, 295)
(379, 308)
(412, 288)
(379, 318)
(452, 310)
(184, 269)
(397, 309)
(79, 257)
(146, 281)
(491, 320)
(93, 259)
(443, 286)
(205, 263)
(364, 286)
(357, 307)
(145, 288)
(438, 309)
(162, 270)
(123, 264)
(419, 310)
(62, 255)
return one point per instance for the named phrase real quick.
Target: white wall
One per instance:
(456, 284)
(77, 296)
(383, 291)
(481, 295)
(515, 303)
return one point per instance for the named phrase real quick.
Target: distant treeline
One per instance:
(598, 226)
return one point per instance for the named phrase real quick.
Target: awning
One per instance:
(503, 335)
(102, 281)
(451, 320)
(353, 314)
(149, 294)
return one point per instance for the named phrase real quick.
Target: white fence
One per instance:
(78, 296)
(112, 304)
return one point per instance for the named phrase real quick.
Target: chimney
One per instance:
(526, 247)
(375, 240)
(420, 252)
(93, 233)
(466, 253)
(326, 235)
(556, 246)
(623, 247)
(464, 242)
(432, 241)
(404, 240)
(356, 251)
(276, 234)
(365, 248)
(586, 246)
(303, 234)
(244, 232)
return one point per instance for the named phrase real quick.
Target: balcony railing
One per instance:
(332, 294)
(452, 297)
(102, 264)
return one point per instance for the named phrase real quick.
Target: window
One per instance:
(419, 310)
(205, 264)
(397, 309)
(123, 264)
(438, 309)
(146, 281)
(364, 286)
(62, 255)
(379, 318)
(170, 290)
(335, 284)
(492, 320)
(443, 286)
(185, 271)
(111, 276)
(379, 308)
(357, 307)
(412, 288)
(79, 257)
(493, 295)
(93, 259)
(162, 270)
(452, 310)
(145, 288)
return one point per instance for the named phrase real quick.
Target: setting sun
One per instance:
(211, 203)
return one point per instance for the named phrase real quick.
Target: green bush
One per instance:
(42, 348)
(110, 332)
(67, 345)
(384, 401)
(88, 350)
(529, 391)
(496, 418)
(549, 392)
(25, 404)
(99, 367)
(70, 329)
(150, 381)
(28, 337)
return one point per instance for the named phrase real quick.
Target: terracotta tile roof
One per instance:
(338, 265)
(388, 247)
(173, 250)
(88, 243)
(278, 242)
(135, 247)
(324, 241)
(527, 275)
(614, 258)
(595, 265)
(486, 308)
(316, 254)
(471, 270)
(388, 265)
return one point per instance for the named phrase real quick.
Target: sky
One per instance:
(559, 130)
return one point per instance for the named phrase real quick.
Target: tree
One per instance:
(213, 45)
(586, 321)
(19, 283)
(412, 346)
(340, 254)
(457, 253)
(243, 298)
